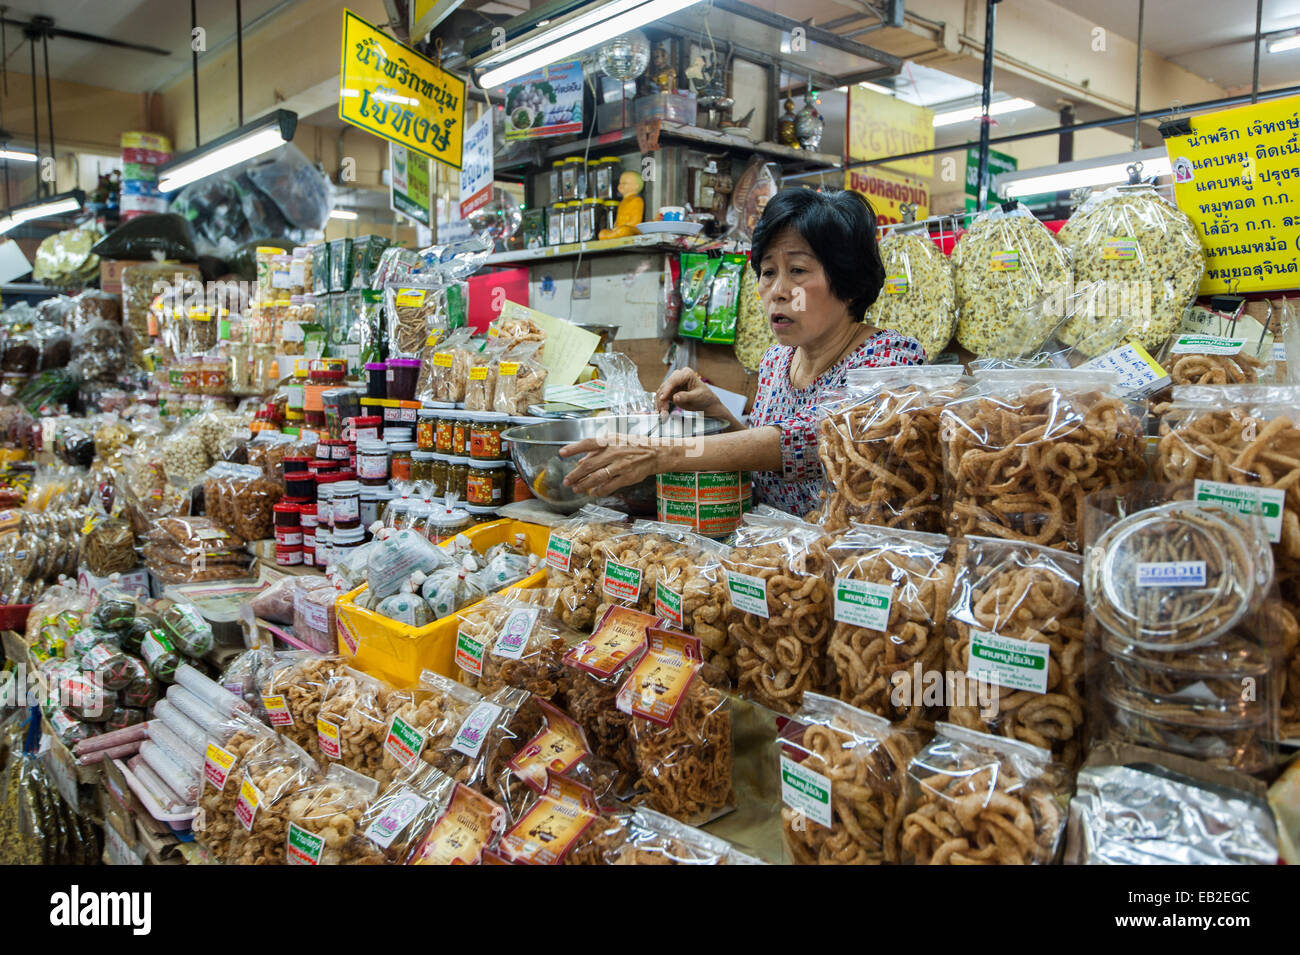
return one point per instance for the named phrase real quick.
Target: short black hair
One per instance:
(840, 228)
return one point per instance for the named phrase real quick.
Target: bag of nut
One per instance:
(878, 441)
(293, 692)
(322, 819)
(681, 729)
(512, 638)
(266, 787)
(242, 499)
(1016, 645)
(572, 565)
(1022, 448)
(353, 722)
(237, 740)
(779, 613)
(843, 784)
(975, 799)
(889, 593)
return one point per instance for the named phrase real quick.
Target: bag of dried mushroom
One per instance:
(267, 785)
(890, 591)
(352, 723)
(240, 739)
(681, 729)
(780, 608)
(293, 692)
(664, 570)
(1131, 237)
(521, 379)
(1022, 448)
(975, 799)
(1015, 645)
(878, 441)
(843, 784)
(395, 822)
(572, 564)
(1221, 438)
(323, 818)
(919, 298)
(512, 638)
(1002, 263)
(595, 669)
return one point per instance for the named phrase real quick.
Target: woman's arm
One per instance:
(610, 465)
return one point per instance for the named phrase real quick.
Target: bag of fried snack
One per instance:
(652, 838)
(237, 740)
(266, 786)
(521, 379)
(1016, 645)
(573, 566)
(1022, 448)
(293, 692)
(559, 746)
(975, 799)
(681, 729)
(878, 441)
(513, 639)
(353, 722)
(1191, 358)
(469, 825)
(398, 819)
(676, 575)
(481, 382)
(595, 669)
(780, 608)
(445, 370)
(422, 723)
(890, 592)
(553, 825)
(324, 817)
(843, 784)
(1221, 439)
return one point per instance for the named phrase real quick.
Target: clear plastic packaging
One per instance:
(890, 592)
(844, 784)
(445, 372)
(976, 799)
(521, 379)
(241, 498)
(918, 298)
(481, 382)
(293, 693)
(1023, 448)
(352, 722)
(397, 820)
(878, 442)
(1016, 645)
(268, 787)
(513, 639)
(324, 817)
(573, 564)
(780, 608)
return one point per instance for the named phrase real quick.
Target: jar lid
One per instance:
(403, 363)
(346, 488)
(307, 509)
(445, 458)
(324, 467)
(371, 446)
(455, 459)
(485, 416)
(427, 413)
(487, 465)
(403, 446)
(479, 509)
(349, 535)
(422, 455)
(284, 507)
(443, 516)
(375, 366)
(327, 480)
(439, 405)
(303, 459)
(397, 434)
(554, 162)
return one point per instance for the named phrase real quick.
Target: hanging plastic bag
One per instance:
(918, 298)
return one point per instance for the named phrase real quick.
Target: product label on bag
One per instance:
(1174, 573)
(860, 603)
(217, 764)
(558, 552)
(748, 594)
(327, 736)
(515, 632)
(398, 812)
(1122, 248)
(442, 359)
(469, 654)
(549, 829)
(411, 297)
(473, 732)
(621, 582)
(250, 797)
(462, 832)
(508, 369)
(806, 791)
(1206, 345)
(668, 604)
(619, 636)
(403, 742)
(303, 847)
(277, 710)
(1003, 661)
(896, 284)
(658, 683)
(1267, 501)
(558, 747)
(478, 373)
(1008, 260)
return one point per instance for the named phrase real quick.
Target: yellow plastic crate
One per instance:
(396, 652)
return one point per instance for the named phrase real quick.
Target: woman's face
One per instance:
(797, 294)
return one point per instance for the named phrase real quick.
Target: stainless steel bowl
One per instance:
(535, 449)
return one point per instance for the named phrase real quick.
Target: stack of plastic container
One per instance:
(142, 154)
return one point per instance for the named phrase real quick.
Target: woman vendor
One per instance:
(819, 270)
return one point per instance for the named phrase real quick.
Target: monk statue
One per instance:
(631, 208)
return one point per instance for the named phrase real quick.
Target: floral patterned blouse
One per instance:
(797, 487)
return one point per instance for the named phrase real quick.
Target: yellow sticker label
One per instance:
(250, 797)
(277, 709)
(895, 284)
(478, 373)
(411, 297)
(509, 368)
(217, 765)
(1119, 248)
(442, 359)
(327, 735)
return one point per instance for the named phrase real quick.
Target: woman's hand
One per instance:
(685, 389)
(611, 462)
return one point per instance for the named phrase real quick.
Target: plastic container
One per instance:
(458, 477)
(300, 485)
(297, 462)
(289, 555)
(345, 539)
(346, 511)
(373, 503)
(288, 524)
(398, 434)
(367, 428)
(444, 431)
(422, 465)
(485, 484)
(373, 463)
(397, 653)
(325, 505)
(402, 376)
(400, 459)
(324, 546)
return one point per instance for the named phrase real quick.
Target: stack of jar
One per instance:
(584, 199)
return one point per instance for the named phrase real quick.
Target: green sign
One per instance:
(408, 176)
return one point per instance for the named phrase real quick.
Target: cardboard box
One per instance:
(110, 273)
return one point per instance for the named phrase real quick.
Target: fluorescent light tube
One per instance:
(245, 143)
(575, 25)
(41, 209)
(342, 214)
(595, 32)
(1286, 43)
(1112, 172)
(975, 112)
(17, 155)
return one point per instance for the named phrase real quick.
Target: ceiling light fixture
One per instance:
(974, 112)
(42, 209)
(342, 214)
(14, 154)
(1102, 171)
(240, 145)
(1284, 44)
(572, 36)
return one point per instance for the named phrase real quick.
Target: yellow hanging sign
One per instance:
(888, 193)
(390, 90)
(881, 126)
(1237, 177)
